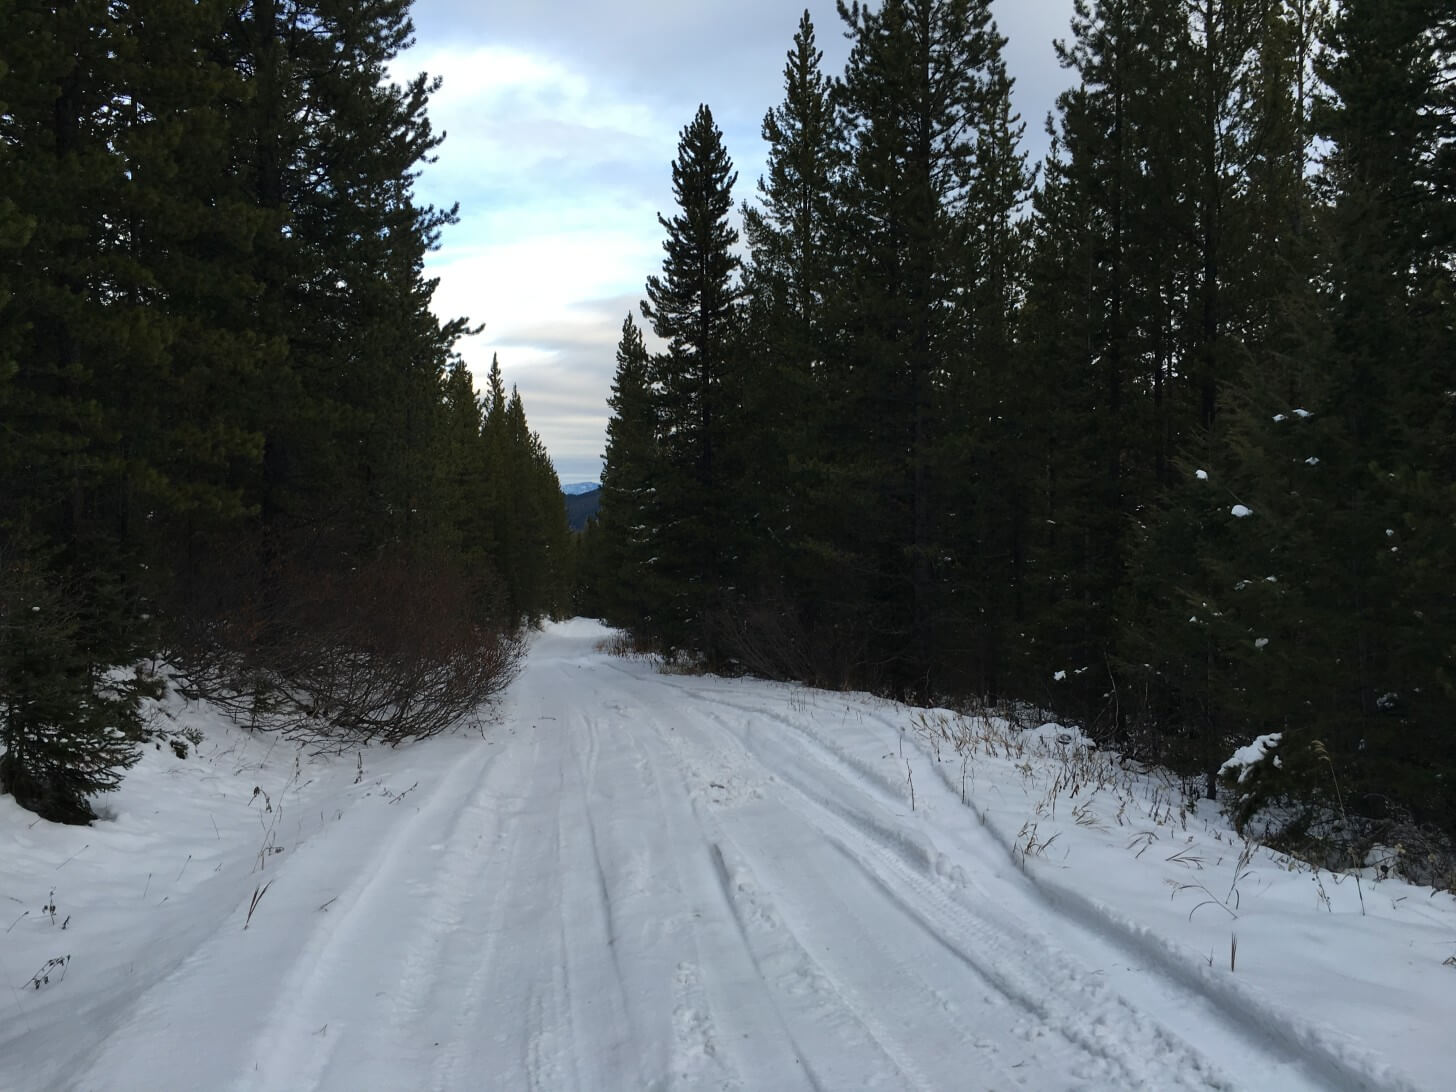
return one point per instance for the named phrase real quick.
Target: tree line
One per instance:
(1157, 436)
(232, 432)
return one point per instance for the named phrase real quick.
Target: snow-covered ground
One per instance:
(640, 880)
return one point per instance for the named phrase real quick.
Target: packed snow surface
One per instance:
(637, 879)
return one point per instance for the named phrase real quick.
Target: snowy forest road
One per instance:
(658, 881)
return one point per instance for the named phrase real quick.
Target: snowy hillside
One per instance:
(644, 880)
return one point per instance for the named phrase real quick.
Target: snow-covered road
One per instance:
(653, 881)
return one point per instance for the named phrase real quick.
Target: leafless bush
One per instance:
(625, 645)
(384, 651)
(768, 638)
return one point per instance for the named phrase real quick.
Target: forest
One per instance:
(1156, 437)
(237, 448)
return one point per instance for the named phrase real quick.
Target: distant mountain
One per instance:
(581, 505)
(577, 488)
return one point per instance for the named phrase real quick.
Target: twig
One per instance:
(73, 856)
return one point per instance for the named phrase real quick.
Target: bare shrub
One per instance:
(384, 651)
(625, 645)
(769, 638)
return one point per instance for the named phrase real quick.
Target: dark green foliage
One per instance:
(1169, 453)
(620, 557)
(229, 420)
(522, 505)
(930, 188)
(69, 724)
(697, 390)
(123, 312)
(791, 618)
(1356, 498)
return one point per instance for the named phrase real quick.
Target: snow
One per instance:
(1053, 735)
(647, 880)
(1250, 755)
(1201, 475)
(577, 488)
(1239, 511)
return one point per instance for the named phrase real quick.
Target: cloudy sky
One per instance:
(562, 119)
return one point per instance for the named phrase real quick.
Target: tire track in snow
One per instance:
(824, 901)
(452, 1067)
(803, 994)
(293, 1054)
(728, 1001)
(1262, 1062)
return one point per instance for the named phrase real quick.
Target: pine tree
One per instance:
(461, 510)
(69, 727)
(128, 348)
(624, 547)
(791, 571)
(790, 232)
(915, 95)
(1231, 190)
(332, 149)
(1351, 482)
(15, 231)
(985, 471)
(524, 509)
(1054, 333)
(693, 307)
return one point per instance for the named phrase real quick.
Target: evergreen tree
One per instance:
(987, 476)
(1351, 482)
(1054, 335)
(332, 148)
(213, 316)
(130, 348)
(1093, 189)
(624, 548)
(791, 570)
(698, 387)
(1239, 159)
(69, 728)
(915, 96)
(15, 230)
(464, 525)
(525, 507)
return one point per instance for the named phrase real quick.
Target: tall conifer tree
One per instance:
(794, 565)
(693, 307)
(915, 93)
(625, 544)
(1351, 485)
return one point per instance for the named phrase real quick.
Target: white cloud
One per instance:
(562, 119)
(559, 182)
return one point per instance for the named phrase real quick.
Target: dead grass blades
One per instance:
(258, 893)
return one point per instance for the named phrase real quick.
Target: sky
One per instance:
(562, 120)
